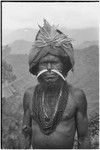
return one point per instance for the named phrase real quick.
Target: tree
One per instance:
(7, 72)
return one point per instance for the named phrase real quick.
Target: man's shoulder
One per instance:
(28, 95)
(29, 92)
(76, 92)
(78, 95)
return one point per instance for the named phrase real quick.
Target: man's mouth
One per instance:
(50, 77)
(49, 74)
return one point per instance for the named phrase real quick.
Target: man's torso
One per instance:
(63, 135)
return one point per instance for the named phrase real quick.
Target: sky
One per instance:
(29, 15)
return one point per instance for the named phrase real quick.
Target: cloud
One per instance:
(72, 15)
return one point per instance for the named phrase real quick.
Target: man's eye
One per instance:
(54, 62)
(43, 63)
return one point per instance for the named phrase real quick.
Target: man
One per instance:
(53, 110)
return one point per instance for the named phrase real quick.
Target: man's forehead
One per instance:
(50, 57)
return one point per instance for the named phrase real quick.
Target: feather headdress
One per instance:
(49, 36)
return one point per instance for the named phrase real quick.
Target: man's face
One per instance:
(50, 62)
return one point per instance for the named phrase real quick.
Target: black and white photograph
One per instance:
(50, 75)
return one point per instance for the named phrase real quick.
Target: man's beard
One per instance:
(51, 84)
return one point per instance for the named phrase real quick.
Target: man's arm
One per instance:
(82, 121)
(27, 121)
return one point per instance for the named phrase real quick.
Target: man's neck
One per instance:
(51, 93)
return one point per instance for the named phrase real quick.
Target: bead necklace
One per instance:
(47, 119)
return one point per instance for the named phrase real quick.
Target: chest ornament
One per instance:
(47, 123)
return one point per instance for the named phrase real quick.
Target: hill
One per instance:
(19, 63)
(28, 34)
(6, 50)
(82, 35)
(86, 44)
(20, 46)
(87, 75)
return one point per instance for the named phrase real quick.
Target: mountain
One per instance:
(28, 34)
(17, 47)
(23, 47)
(20, 46)
(6, 50)
(81, 35)
(19, 63)
(21, 40)
(85, 44)
(87, 75)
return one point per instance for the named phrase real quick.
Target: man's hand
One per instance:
(27, 120)
(26, 130)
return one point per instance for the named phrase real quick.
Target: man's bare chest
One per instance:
(64, 132)
(69, 112)
(48, 116)
(70, 109)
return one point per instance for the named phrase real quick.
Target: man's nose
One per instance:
(49, 66)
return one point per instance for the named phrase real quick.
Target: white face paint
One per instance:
(53, 70)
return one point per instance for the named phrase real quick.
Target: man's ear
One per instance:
(35, 69)
(66, 65)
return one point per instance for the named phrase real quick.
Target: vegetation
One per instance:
(7, 72)
(94, 130)
(12, 113)
(93, 126)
